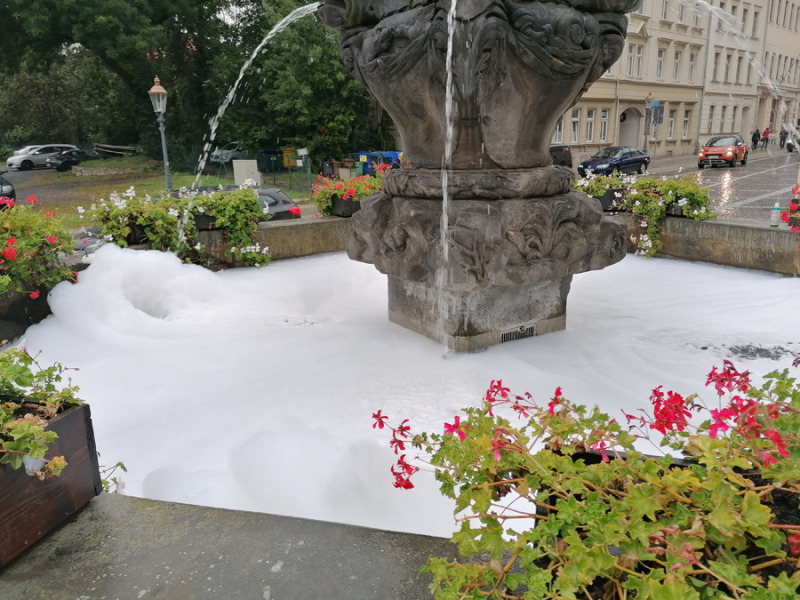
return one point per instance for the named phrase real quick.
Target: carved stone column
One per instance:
(516, 231)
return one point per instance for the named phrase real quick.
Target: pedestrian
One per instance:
(765, 138)
(755, 139)
(783, 136)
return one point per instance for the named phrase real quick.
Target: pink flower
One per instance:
(380, 420)
(554, 401)
(10, 253)
(11, 241)
(6, 201)
(49, 213)
(34, 295)
(457, 428)
(295, 210)
(32, 199)
(51, 239)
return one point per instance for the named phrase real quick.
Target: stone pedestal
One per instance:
(466, 321)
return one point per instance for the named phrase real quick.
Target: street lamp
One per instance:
(158, 96)
(648, 117)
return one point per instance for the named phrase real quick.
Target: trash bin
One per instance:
(327, 168)
(360, 167)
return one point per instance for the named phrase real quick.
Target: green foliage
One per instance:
(29, 397)
(30, 245)
(168, 223)
(566, 507)
(649, 200)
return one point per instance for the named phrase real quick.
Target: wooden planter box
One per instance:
(29, 508)
(344, 208)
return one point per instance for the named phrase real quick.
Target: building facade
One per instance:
(702, 68)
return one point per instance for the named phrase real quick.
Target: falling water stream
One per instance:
(213, 123)
(447, 164)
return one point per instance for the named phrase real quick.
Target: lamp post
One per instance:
(158, 96)
(648, 118)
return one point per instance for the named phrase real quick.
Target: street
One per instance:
(747, 192)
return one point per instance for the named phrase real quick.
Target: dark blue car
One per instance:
(616, 159)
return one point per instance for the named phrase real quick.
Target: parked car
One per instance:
(64, 161)
(36, 156)
(616, 159)
(6, 188)
(229, 152)
(278, 204)
(723, 150)
(561, 155)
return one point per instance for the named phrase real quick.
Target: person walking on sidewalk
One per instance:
(784, 134)
(765, 138)
(755, 139)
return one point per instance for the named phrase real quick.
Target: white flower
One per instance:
(198, 246)
(130, 193)
(80, 210)
(683, 202)
(173, 212)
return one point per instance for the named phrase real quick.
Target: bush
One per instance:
(718, 520)
(650, 200)
(326, 188)
(31, 246)
(168, 223)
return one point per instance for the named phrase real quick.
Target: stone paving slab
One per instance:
(124, 548)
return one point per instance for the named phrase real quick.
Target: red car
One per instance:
(723, 150)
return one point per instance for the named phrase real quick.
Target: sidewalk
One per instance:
(125, 548)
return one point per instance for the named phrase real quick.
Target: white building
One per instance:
(719, 67)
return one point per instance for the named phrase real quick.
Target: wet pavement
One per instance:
(742, 193)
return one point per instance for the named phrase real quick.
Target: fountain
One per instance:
(514, 232)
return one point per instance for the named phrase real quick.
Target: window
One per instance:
(665, 10)
(576, 122)
(697, 15)
(681, 12)
(716, 67)
(727, 68)
(671, 124)
(558, 135)
(720, 18)
(739, 70)
(686, 115)
(749, 72)
(604, 125)
(710, 123)
(692, 61)
(660, 64)
(635, 60)
(722, 119)
(745, 12)
(676, 65)
(755, 23)
(589, 124)
(733, 117)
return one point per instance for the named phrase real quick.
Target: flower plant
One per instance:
(31, 244)
(791, 216)
(356, 188)
(649, 200)
(30, 395)
(167, 223)
(558, 501)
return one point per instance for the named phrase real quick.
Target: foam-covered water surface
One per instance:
(253, 389)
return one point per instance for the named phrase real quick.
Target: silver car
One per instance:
(35, 156)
